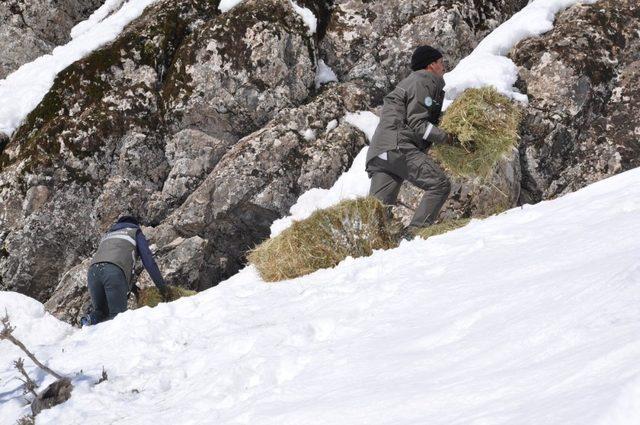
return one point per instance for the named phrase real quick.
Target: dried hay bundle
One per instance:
(444, 227)
(352, 228)
(486, 124)
(151, 297)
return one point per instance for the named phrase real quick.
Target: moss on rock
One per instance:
(441, 228)
(75, 113)
(151, 297)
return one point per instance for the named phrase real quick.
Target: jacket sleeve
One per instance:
(419, 116)
(147, 259)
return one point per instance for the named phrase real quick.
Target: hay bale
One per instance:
(151, 297)
(486, 124)
(352, 228)
(444, 227)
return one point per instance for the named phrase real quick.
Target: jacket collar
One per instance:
(423, 73)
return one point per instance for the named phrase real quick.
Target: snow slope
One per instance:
(529, 317)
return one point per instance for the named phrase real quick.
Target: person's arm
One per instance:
(419, 114)
(147, 260)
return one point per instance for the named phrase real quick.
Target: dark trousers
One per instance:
(411, 164)
(108, 289)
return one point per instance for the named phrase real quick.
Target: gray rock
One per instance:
(261, 177)
(70, 299)
(184, 262)
(97, 143)
(231, 77)
(31, 28)
(191, 154)
(56, 393)
(136, 128)
(582, 81)
(373, 40)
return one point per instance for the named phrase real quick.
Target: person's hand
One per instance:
(452, 140)
(468, 146)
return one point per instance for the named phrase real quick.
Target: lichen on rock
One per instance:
(244, 66)
(578, 76)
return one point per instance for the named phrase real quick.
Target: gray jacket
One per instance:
(410, 114)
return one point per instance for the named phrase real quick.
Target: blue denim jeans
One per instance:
(108, 289)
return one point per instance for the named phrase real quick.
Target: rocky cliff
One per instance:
(582, 81)
(209, 125)
(31, 28)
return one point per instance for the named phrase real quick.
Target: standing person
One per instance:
(406, 130)
(109, 277)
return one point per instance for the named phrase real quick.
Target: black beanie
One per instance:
(423, 56)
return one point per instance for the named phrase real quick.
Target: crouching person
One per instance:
(111, 270)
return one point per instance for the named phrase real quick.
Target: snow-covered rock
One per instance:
(582, 80)
(31, 28)
(373, 40)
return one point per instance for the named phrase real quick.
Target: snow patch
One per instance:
(324, 74)
(227, 5)
(487, 65)
(309, 135)
(307, 16)
(366, 121)
(96, 17)
(331, 125)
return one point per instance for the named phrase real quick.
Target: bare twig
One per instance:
(7, 333)
(29, 385)
(498, 189)
(104, 376)
(26, 420)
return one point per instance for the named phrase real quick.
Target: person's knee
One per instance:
(444, 186)
(440, 186)
(384, 188)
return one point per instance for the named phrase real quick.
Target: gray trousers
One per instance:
(411, 164)
(108, 289)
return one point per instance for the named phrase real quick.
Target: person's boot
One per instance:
(89, 319)
(408, 233)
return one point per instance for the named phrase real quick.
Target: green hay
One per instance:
(486, 124)
(151, 297)
(352, 228)
(444, 227)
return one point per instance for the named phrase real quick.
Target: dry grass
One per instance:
(444, 227)
(486, 124)
(352, 228)
(150, 296)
